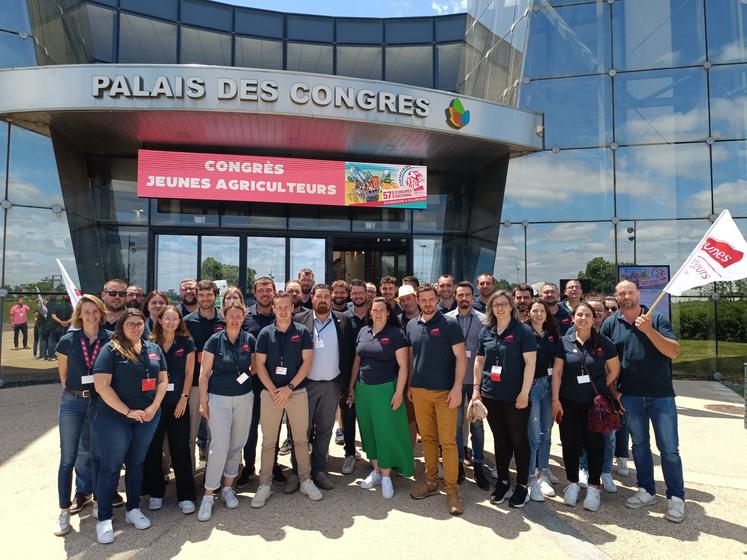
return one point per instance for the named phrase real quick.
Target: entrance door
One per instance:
(369, 258)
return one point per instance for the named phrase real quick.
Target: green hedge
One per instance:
(695, 320)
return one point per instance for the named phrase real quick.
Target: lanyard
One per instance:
(229, 348)
(89, 360)
(469, 326)
(324, 326)
(146, 362)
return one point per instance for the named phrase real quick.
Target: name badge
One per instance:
(549, 372)
(281, 370)
(469, 354)
(148, 384)
(319, 343)
(495, 373)
(170, 387)
(86, 379)
(583, 379)
(242, 378)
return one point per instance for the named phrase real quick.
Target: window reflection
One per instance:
(448, 204)
(729, 101)
(730, 177)
(426, 258)
(16, 52)
(727, 30)
(307, 57)
(410, 65)
(220, 259)
(265, 256)
(146, 41)
(510, 264)
(33, 177)
(205, 47)
(359, 62)
(449, 65)
(126, 254)
(309, 217)
(259, 53)
(661, 106)
(114, 186)
(14, 16)
(308, 253)
(254, 214)
(176, 259)
(381, 219)
(168, 211)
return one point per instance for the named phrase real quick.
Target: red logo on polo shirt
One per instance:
(436, 332)
(509, 338)
(551, 338)
(217, 328)
(296, 338)
(153, 356)
(179, 352)
(384, 340)
(721, 252)
(566, 320)
(598, 351)
(245, 347)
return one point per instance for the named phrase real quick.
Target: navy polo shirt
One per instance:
(255, 321)
(230, 360)
(433, 357)
(587, 359)
(127, 376)
(356, 322)
(70, 346)
(563, 319)
(284, 349)
(176, 361)
(478, 305)
(443, 309)
(201, 329)
(378, 354)
(644, 371)
(549, 347)
(506, 350)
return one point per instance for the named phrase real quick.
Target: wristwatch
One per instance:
(291, 386)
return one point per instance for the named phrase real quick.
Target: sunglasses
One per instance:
(115, 293)
(611, 308)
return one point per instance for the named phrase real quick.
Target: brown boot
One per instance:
(454, 503)
(424, 489)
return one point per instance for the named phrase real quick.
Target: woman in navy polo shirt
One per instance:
(131, 380)
(226, 403)
(549, 360)
(76, 354)
(380, 369)
(153, 306)
(172, 336)
(590, 360)
(504, 371)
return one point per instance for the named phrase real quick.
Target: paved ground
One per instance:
(357, 522)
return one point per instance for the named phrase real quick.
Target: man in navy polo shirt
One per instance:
(486, 287)
(439, 363)
(647, 345)
(202, 324)
(550, 295)
(446, 293)
(574, 292)
(523, 294)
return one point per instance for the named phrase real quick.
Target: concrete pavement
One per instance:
(359, 523)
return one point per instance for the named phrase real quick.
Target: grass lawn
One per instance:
(697, 359)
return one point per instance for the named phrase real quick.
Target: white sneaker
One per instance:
(105, 532)
(608, 483)
(155, 503)
(622, 466)
(137, 518)
(583, 478)
(593, 499)
(339, 436)
(95, 511)
(387, 488)
(545, 487)
(263, 492)
(187, 506)
(63, 524)
(309, 488)
(348, 465)
(206, 508)
(373, 479)
(675, 510)
(570, 496)
(640, 499)
(229, 497)
(535, 493)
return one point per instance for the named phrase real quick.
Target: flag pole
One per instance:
(656, 302)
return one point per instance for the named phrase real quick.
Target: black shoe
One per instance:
(81, 501)
(520, 497)
(501, 492)
(460, 477)
(480, 479)
(118, 500)
(245, 478)
(277, 475)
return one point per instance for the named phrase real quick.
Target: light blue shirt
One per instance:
(326, 363)
(471, 325)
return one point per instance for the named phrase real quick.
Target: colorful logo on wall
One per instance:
(456, 116)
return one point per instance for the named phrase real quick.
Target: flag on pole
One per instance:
(72, 291)
(718, 257)
(42, 308)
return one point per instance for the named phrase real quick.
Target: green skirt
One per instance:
(384, 432)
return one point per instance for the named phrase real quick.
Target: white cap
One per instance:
(405, 290)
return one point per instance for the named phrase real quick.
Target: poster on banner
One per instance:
(650, 280)
(201, 176)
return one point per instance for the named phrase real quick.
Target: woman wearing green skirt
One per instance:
(377, 386)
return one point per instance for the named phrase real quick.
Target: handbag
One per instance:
(602, 414)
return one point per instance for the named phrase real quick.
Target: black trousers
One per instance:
(347, 415)
(575, 437)
(510, 427)
(23, 329)
(177, 430)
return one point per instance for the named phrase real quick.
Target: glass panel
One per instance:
(176, 259)
(35, 237)
(727, 30)
(545, 242)
(578, 111)
(496, 70)
(449, 66)
(730, 177)
(661, 106)
(308, 253)
(381, 219)
(220, 259)
(14, 16)
(166, 211)
(448, 205)
(92, 30)
(256, 215)
(265, 256)
(671, 181)
(33, 177)
(359, 62)
(114, 185)
(146, 41)
(510, 264)
(567, 41)
(126, 254)
(16, 52)
(582, 181)
(310, 28)
(305, 216)
(359, 31)
(259, 53)
(306, 57)
(693, 321)
(657, 34)
(426, 258)
(404, 30)
(410, 65)
(205, 47)
(729, 101)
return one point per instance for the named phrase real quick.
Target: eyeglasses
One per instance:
(137, 325)
(189, 289)
(611, 308)
(501, 305)
(115, 293)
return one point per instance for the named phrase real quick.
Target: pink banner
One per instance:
(199, 176)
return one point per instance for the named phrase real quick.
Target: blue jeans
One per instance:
(661, 412)
(51, 344)
(622, 439)
(75, 448)
(121, 440)
(476, 430)
(540, 425)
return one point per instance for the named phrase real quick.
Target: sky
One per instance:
(377, 8)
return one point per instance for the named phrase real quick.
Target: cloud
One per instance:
(638, 126)
(449, 7)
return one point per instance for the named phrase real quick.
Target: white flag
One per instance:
(70, 288)
(718, 257)
(42, 308)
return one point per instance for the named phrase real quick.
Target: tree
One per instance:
(213, 269)
(601, 275)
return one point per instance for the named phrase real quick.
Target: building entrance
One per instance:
(369, 258)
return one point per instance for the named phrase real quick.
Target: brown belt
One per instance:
(84, 394)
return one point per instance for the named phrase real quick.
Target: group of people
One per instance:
(145, 381)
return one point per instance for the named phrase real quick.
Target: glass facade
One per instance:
(645, 128)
